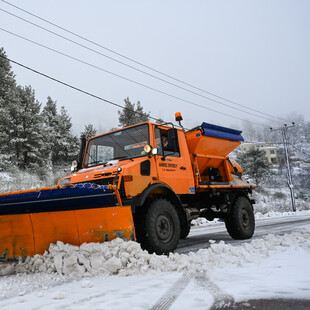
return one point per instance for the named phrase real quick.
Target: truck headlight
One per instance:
(64, 181)
(147, 149)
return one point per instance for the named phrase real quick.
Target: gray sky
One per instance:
(255, 53)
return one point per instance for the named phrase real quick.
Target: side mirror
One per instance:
(81, 154)
(173, 144)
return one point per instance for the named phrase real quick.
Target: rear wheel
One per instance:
(240, 223)
(162, 227)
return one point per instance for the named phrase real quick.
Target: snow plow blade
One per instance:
(30, 220)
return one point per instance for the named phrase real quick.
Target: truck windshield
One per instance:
(121, 144)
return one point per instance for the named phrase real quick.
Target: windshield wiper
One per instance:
(94, 163)
(122, 157)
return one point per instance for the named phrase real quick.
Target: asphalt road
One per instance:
(199, 239)
(199, 236)
(272, 304)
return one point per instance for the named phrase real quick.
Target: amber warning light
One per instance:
(178, 116)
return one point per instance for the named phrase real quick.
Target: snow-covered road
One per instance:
(200, 236)
(119, 275)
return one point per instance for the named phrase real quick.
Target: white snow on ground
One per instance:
(119, 275)
(258, 215)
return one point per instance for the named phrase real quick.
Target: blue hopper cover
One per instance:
(221, 132)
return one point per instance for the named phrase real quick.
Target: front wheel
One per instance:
(162, 227)
(240, 223)
(185, 230)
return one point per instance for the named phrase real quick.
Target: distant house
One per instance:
(268, 147)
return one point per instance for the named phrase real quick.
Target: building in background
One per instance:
(268, 147)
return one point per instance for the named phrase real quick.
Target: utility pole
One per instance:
(288, 166)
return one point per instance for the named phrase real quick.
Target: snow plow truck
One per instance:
(144, 182)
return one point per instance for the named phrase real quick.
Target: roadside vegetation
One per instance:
(37, 146)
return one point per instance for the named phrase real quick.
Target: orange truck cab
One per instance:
(169, 177)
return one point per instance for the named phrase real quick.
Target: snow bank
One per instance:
(127, 258)
(258, 215)
(273, 214)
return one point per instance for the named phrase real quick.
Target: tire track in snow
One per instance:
(221, 299)
(171, 295)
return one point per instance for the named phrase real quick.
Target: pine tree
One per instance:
(7, 96)
(7, 78)
(61, 144)
(89, 131)
(131, 115)
(24, 129)
(255, 164)
(50, 125)
(66, 147)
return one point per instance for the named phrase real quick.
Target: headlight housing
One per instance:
(147, 149)
(64, 181)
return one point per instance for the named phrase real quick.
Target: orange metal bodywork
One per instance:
(210, 152)
(184, 173)
(29, 234)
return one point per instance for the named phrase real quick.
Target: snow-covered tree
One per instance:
(255, 164)
(61, 144)
(7, 95)
(67, 145)
(24, 129)
(131, 115)
(89, 131)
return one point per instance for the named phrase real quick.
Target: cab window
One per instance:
(166, 146)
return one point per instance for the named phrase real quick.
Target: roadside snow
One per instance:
(276, 266)
(119, 275)
(258, 215)
(127, 258)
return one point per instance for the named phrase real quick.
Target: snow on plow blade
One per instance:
(30, 220)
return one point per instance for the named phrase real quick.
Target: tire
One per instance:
(185, 230)
(162, 227)
(240, 223)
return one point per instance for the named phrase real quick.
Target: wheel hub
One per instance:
(163, 227)
(245, 219)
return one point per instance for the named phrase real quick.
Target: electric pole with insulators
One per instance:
(287, 160)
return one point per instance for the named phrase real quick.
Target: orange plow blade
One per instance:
(25, 233)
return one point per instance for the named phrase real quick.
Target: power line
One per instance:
(90, 49)
(132, 60)
(130, 80)
(78, 89)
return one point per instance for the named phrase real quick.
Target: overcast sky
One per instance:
(255, 53)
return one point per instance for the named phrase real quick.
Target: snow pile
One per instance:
(201, 221)
(127, 258)
(258, 215)
(274, 214)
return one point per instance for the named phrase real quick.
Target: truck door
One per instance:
(172, 162)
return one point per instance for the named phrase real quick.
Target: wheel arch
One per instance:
(161, 190)
(237, 194)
